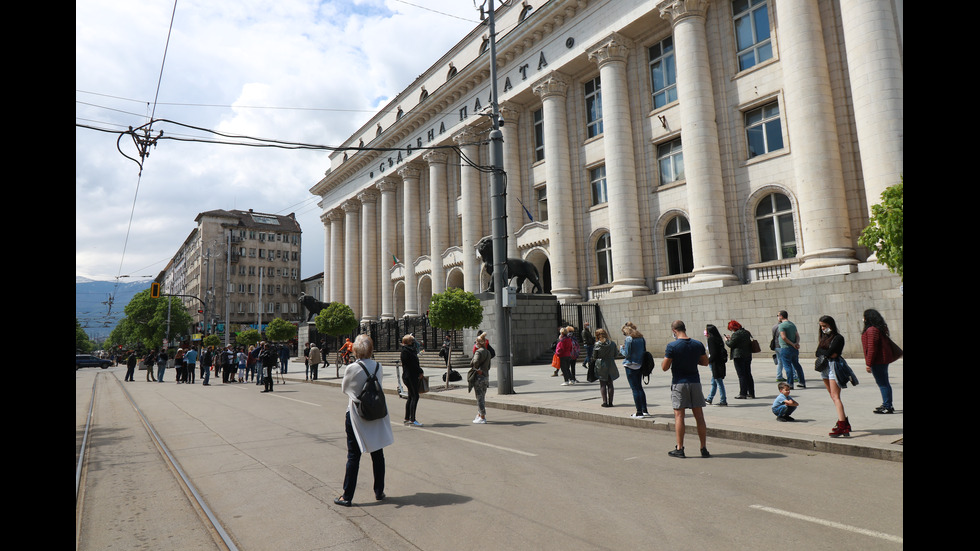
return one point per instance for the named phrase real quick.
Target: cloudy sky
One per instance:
(290, 70)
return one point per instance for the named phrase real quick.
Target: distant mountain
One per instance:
(92, 304)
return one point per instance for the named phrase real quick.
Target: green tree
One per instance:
(885, 232)
(83, 345)
(453, 310)
(336, 319)
(247, 338)
(280, 330)
(145, 324)
(211, 340)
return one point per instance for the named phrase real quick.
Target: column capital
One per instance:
(387, 184)
(676, 10)
(335, 215)
(351, 205)
(614, 47)
(465, 136)
(510, 112)
(410, 171)
(368, 195)
(435, 156)
(555, 84)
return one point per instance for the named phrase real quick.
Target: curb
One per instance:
(839, 447)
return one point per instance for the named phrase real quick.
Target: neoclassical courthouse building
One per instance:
(697, 159)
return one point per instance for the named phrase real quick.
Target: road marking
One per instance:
(288, 398)
(830, 523)
(512, 450)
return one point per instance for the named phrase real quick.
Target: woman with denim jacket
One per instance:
(632, 350)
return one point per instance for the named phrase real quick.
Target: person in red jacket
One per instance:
(877, 356)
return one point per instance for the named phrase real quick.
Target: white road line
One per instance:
(512, 450)
(832, 524)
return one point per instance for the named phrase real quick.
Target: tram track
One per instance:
(120, 451)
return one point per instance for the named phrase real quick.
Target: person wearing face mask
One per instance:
(830, 346)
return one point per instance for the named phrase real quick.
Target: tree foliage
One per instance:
(336, 319)
(83, 344)
(280, 330)
(247, 338)
(455, 309)
(145, 323)
(885, 232)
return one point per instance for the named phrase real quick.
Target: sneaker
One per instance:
(566, 383)
(883, 409)
(782, 418)
(480, 420)
(637, 416)
(406, 422)
(780, 380)
(704, 452)
(708, 400)
(415, 424)
(676, 452)
(722, 403)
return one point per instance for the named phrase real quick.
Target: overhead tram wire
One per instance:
(143, 153)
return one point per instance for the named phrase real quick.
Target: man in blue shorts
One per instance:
(682, 358)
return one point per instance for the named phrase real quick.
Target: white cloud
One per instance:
(293, 70)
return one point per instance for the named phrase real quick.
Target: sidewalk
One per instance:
(538, 392)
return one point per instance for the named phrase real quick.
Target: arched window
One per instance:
(774, 221)
(680, 254)
(603, 259)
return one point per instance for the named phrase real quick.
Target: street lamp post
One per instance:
(498, 226)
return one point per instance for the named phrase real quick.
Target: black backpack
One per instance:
(372, 399)
(647, 366)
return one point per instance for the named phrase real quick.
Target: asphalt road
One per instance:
(269, 466)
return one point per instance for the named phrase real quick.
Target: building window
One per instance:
(663, 74)
(670, 160)
(542, 203)
(603, 259)
(680, 254)
(593, 107)
(762, 129)
(597, 179)
(538, 135)
(752, 38)
(774, 220)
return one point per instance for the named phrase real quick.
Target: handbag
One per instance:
(821, 364)
(556, 362)
(590, 374)
(423, 384)
(755, 346)
(892, 351)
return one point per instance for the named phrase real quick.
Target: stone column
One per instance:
(389, 244)
(819, 175)
(336, 263)
(438, 216)
(874, 64)
(624, 209)
(370, 271)
(702, 154)
(352, 255)
(562, 248)
(512, 168)
(325, 219)
(410, 231)
(471, 207)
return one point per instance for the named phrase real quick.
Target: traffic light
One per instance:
(155, 290)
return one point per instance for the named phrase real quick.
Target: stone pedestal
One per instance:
(533, 325)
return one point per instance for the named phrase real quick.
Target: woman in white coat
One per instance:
(363, 436)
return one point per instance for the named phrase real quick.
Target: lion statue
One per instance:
(312, 305)
(516, 267)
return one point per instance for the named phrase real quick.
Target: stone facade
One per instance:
(678, 156)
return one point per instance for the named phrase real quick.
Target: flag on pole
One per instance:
(394, 260)
(527, 212)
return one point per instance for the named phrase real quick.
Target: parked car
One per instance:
(88, 360)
